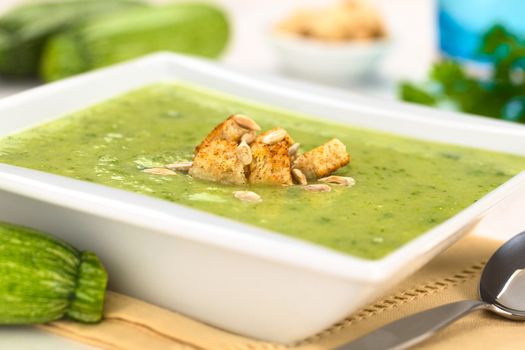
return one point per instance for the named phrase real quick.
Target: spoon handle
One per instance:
(411, 330)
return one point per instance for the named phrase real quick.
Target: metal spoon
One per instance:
(501, 289)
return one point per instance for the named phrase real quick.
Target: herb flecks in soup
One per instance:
(404, 186)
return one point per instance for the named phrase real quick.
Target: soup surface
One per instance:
(404, 186)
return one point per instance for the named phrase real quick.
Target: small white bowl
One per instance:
(328, 62)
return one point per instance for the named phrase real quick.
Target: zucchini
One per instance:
(43, 279)
(26, 28)
(191, 28)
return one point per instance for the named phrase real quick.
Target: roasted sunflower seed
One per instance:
(244, 153)
(247, 196)
(246, 122)
(183, 167)
(249, 137)
(292, 151)
(318, 188)
(339, 180)
(274, 136)
(159, 171)
(299, 177)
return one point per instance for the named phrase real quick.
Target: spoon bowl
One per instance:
(501, 290)
(502, 283)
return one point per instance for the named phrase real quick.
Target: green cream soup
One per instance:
(404, 186)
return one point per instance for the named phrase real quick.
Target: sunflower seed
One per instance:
(248, 137)
(183, 167)
(247, 196)
(318, 188)
(274, 136)
(339, 180)
(159, 171)
(299, 177)
(244, 153)
(246, 122)
(292, 151)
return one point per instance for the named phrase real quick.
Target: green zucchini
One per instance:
(43, 279)
(27, 27)
(191, 28)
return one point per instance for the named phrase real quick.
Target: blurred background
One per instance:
(411, 22)
(466, 55)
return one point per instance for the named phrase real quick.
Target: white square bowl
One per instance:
(234, 276)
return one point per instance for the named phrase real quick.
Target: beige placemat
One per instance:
(135, 325)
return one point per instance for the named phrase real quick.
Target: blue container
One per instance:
(462, 24)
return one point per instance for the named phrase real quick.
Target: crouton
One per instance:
(270, 160)
(217, 161)
(323, 160)
(232, 129)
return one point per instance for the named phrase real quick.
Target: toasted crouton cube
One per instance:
(230, 130)
(323, 160)
(217, 161)
(270, 160)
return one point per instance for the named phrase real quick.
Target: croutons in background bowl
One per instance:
(338, 43)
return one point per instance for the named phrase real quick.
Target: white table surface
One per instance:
(411, 23)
